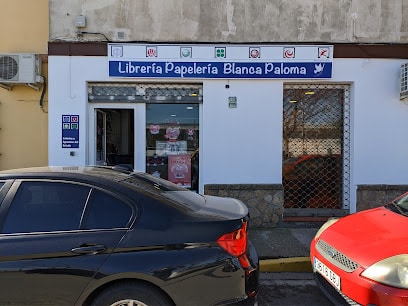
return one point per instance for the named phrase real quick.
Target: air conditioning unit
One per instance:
(404, 82)
(20, 68)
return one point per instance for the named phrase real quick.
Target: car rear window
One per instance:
(105, 211)
(149, 181)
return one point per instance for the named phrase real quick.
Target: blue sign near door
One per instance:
(70, 131)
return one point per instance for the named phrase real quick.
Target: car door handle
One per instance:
(89, 249)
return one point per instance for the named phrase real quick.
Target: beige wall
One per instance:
(234, 21)
(23, 123)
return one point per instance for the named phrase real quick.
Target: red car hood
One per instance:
(369, 236)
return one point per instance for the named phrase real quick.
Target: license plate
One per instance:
(328, 274)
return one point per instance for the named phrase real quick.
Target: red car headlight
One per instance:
(326, 226)
(392, 271)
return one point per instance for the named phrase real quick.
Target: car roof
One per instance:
(97, 174)
(116, 178)
(68, 171)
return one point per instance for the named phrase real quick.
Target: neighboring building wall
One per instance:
(237, 21)
(23, 123)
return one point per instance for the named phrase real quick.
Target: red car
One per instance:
(362, 259)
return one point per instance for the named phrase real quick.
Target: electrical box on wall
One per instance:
(404, 82)
(232, 102)
(22, 68)
(80, 21)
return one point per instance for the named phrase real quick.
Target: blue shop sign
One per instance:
(221, 70)
(219, 61)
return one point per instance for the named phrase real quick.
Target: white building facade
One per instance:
(238, 123)
(293, 107)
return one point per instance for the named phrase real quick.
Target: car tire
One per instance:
(131, 293)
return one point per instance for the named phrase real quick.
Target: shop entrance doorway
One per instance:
(114, 130)
(149, 127)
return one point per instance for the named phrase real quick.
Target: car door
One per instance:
(49, 250)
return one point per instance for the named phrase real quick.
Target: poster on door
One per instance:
(179, 170)
(165, 148)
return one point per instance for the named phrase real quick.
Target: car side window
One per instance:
(105, 211)
(1, 184)
(46, 206)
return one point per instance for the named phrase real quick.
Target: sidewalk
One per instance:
(283, 249)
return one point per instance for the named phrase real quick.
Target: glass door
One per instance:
(114, 137)
(100, 132)
(172, 132)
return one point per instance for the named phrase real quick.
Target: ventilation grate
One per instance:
(154, 93)
(335, 257)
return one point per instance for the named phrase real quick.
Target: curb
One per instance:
(293, 264)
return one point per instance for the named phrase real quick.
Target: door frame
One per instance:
(102, 161)
(139, 111)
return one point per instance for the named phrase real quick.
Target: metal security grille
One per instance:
(145, 92)
(315, 171)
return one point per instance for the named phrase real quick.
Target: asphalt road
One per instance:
(290, 289)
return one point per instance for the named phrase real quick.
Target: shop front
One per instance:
(287, 129)
(167, 125)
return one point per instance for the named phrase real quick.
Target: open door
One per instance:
(114, 132)
(100, 132)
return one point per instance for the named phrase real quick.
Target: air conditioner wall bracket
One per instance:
(9, 87)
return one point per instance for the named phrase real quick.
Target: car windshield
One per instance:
(290, 160)
(401, 205)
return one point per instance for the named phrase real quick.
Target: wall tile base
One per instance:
(264, 201)
(371, 196)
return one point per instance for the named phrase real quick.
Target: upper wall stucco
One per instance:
(24, 26)
(234, 21)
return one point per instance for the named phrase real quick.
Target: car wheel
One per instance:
(131, 294)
